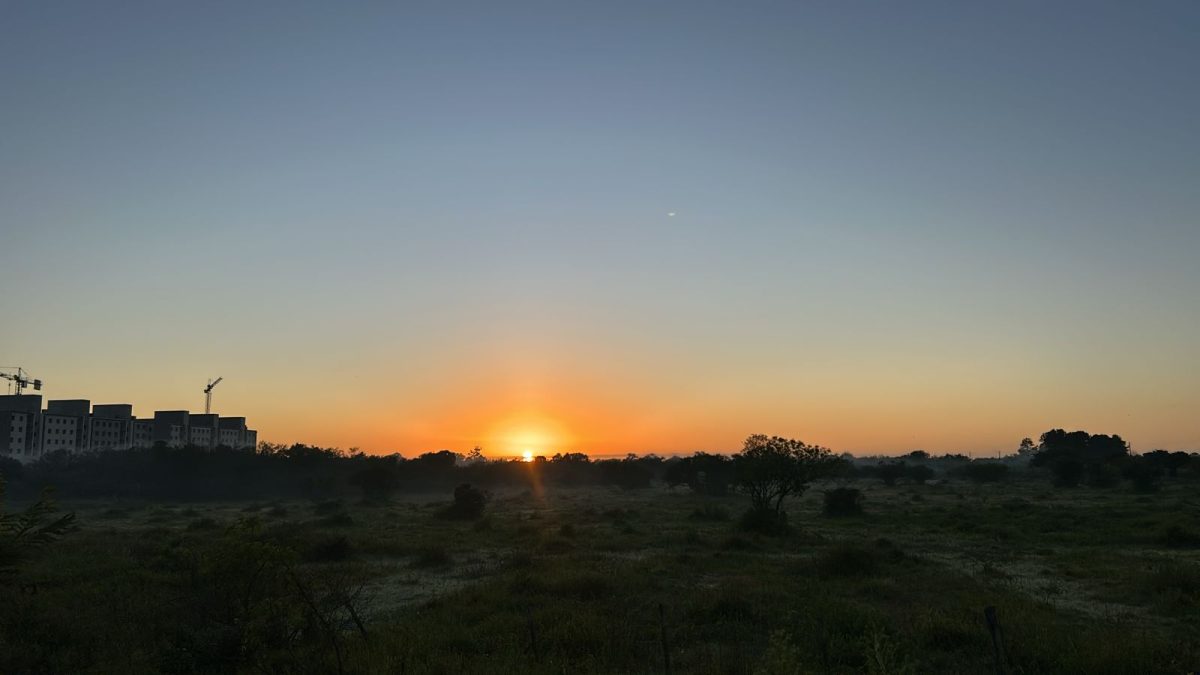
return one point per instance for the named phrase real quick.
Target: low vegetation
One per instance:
(565, 566)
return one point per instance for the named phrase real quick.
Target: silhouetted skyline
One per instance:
(404, 227)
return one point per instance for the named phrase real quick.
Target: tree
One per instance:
(919, 473)
(1067, 472)
(704, 473)
(890, 472)
(771, 468)
(1073, 454)
(377, 478)
(1027, 448)
(984, 472)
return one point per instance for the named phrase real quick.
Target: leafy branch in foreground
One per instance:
(32, 527)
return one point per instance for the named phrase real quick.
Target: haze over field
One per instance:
(404, 227)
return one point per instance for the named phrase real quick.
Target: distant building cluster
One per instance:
(28, 432)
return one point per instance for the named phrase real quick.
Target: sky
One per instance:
(410, 226)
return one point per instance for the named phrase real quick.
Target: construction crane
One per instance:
(20, 380)
(208, 394)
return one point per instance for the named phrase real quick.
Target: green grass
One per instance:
(597, 581)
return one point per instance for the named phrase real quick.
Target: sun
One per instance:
(527, 456)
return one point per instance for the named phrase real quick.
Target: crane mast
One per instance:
(208, 394)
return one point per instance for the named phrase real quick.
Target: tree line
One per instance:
(768, 468)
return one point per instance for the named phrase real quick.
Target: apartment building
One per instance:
(28, 432)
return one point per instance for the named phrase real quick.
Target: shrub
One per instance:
(890, 472)
(328, 507)
(710, 512)
(919, 473)
(1174, 583)
(431, 556)
(843, 501)
(985, 472)
(736, 543)
(782, 656)
(765, 521)
(468, 503)
(337, 520)
(846, 560)
(1177, 536)
(202, 524)
(329, 550)
(888, 550)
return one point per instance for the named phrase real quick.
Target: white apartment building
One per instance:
(27, 432)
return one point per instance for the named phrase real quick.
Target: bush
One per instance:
(890, 472)
(202, 524)
(328, 507)
(468, 503)
(985, 472)
(710, 512)
(431, 556)
(843, 502)
(919, 473)
(764, 521)
(337, 520)
(329, 550)
(1177, 536)
(846, 560)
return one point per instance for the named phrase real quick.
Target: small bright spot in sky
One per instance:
(527, 456)
(671, 213)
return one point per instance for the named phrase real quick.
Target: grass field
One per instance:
(641, 581)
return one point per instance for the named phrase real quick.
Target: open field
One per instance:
(606, 580)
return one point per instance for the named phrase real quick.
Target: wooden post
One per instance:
(993, 624)
(666, 645)
(533, 643)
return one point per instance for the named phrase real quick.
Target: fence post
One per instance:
(993, 624)
(533, 643)
(666, 645)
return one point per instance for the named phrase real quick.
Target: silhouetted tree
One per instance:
(1067, 472)
(984, 472)
(1095, 454)
(377, 478)
(1143, 473)
(1168, 462)
(919, 473)
(890, 472)
(704, 473)
(1027, 447)
(771, 468)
